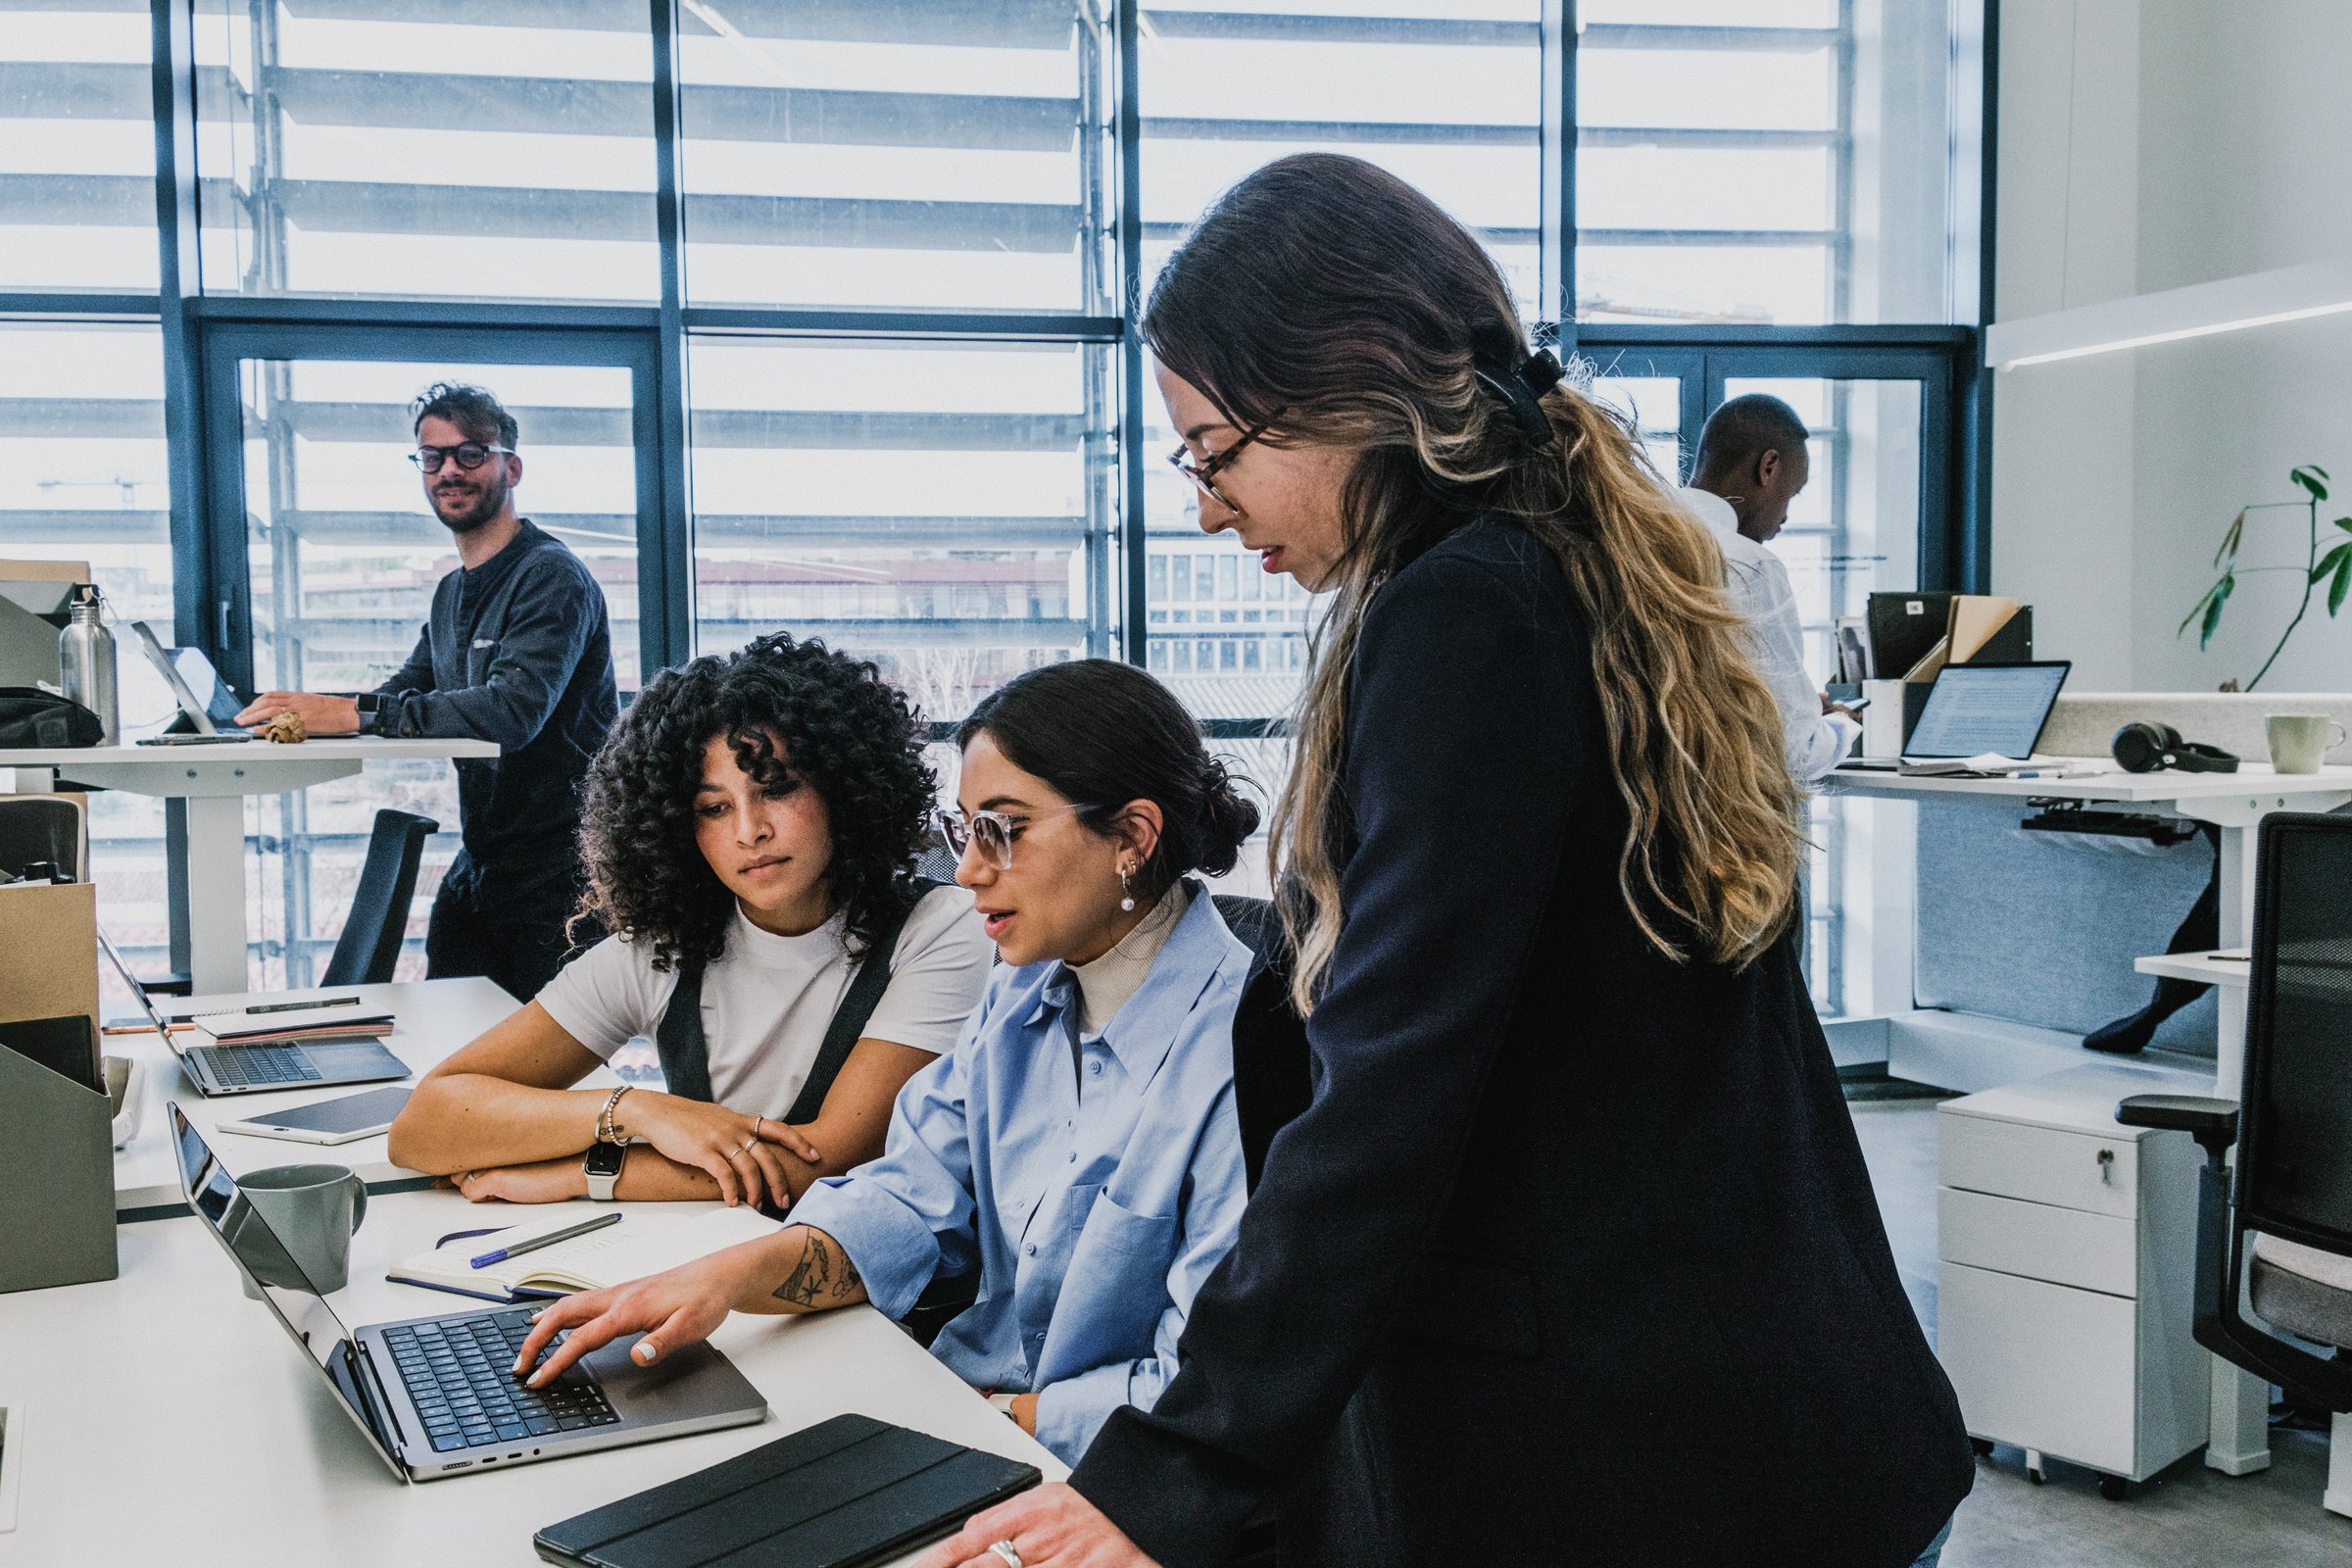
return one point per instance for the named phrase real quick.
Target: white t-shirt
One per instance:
(767, 1000)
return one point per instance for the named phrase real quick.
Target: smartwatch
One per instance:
(603, 1169)
(372, 711)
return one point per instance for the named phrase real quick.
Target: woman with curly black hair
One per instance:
(751, 832)
(1077, 1150)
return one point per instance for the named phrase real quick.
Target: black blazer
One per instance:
(1568, 1253)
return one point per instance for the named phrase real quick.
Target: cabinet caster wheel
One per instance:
(1982, 1447)
(2035, 1475)
(2115, 1489)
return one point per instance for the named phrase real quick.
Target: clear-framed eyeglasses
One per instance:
(991, 831)
(1205, 475)
(470, 456)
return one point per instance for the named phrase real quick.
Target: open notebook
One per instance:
(641, 1243)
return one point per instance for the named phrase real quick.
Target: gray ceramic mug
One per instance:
(309, 1213)
(2301, 742)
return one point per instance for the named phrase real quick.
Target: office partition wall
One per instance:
(820, 316)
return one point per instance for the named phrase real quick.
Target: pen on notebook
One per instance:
(549, 1239)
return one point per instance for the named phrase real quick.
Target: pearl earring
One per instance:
(1127, 901)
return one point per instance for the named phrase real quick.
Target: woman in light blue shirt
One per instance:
(1078, 1146)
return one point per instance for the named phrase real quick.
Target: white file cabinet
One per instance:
(2068, 1269)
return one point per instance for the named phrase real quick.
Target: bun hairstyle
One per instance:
(1331, 302)
(1102, 733)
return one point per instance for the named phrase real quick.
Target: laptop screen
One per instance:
(1979, 710)
(270, 1270)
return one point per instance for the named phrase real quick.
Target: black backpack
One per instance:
(30, 716)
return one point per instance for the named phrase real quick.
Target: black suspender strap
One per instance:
(686, 1055)
(851, 1017)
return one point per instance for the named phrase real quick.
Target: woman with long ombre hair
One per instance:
(1561, 1249)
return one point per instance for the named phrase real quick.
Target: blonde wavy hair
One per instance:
(1333, 302)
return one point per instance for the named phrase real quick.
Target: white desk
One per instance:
(214, 781)
(2235, 803)
(170, 1420)
(435, 1018)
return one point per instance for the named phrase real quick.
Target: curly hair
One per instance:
(847, 733)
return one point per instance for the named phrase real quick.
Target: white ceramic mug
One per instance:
(2299, 742)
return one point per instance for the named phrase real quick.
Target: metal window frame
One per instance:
(203, 337)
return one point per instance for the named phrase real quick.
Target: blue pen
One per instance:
(549, 1239)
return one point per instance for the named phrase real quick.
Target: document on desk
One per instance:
(642, 1243)
(1991, 764)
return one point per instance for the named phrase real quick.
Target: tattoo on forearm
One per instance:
(825, 1276)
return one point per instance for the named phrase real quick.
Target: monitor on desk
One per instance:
(1988, 710)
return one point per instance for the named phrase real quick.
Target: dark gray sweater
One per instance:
(519, 651)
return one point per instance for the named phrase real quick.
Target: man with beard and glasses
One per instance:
(519, 651)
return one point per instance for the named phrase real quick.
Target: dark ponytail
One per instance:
(1103, 733)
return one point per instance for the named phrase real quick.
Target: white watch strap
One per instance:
(600, 1188)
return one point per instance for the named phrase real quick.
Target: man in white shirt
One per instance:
(1751, 462)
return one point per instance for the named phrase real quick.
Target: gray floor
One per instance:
(2188, 1516)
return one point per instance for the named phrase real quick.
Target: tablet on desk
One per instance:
(332, 1121)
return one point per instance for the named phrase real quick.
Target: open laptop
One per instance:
(436, 1396)
(1990, 711)
(211, 717)
(231, 1069)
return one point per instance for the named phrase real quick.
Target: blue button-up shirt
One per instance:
(1093, 1185)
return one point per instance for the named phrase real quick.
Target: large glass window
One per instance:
(1765, 161)
(344, 557)
(84, 477)
(946, 509)
(496, 150)
(1444, 93)
(910, 153)
(77, 148)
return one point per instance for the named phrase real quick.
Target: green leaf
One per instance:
(2331, 559)
(2313, 480)
(2231, 537)
(2212, 612)
(2344, 523)
(2343, 581)
(2195, 610)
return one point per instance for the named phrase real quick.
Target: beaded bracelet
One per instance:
(604, 1117)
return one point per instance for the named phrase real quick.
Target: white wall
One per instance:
(2207, 140)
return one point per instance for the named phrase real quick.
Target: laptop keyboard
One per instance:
(240, 1066)
(459, 1375)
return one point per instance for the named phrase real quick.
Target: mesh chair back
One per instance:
(1246, 917)
(2296, 1148)
(368, 949)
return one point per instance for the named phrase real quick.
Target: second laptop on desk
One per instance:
(1982, 720)
(313, 1048)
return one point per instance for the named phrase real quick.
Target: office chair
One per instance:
(368, 949)
(2280, 1241)
(1246, 917)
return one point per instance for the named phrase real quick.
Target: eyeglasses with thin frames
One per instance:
(1204, 474)
(470, 455)
(992, 831)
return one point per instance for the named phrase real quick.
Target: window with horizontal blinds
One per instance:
(77, 147)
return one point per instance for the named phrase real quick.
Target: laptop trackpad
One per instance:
(341, 1057)
(695, 1382)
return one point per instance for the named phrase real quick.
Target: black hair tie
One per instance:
(1522, 391)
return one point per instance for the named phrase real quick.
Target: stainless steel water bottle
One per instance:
(85, 654)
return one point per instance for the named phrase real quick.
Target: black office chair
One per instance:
(368, 949)
(1246, 917)
(2285, 1232)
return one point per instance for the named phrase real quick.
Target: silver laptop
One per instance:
(233, 1070)
(1986, 709)
(436, 1396)
(211, 717)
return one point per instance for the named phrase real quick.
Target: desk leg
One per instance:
(2239, 1441)
(215, 883)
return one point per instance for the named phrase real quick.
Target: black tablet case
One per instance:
(845, 1492)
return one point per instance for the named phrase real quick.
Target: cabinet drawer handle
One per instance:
(2107, 1166)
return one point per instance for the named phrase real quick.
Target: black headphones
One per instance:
(2142, 747)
